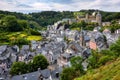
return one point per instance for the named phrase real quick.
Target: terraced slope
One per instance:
(111, 71)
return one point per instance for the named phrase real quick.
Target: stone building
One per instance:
(96, 17)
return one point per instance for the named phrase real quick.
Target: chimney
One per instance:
(39, 70)
(40, 75)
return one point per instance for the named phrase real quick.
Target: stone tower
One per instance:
(87, 16)
(82, 43)
(99, 19)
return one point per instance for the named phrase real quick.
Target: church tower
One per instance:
(82, 42)
(87, 16)
(99, 18)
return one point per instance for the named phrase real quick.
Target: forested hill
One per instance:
(49, 17)
(42, 18)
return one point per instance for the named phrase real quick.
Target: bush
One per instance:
(76, 63)
(18, 68)
(69, 74)
(93, 59)
(20, 41)
(116, 48)
(11, 23)
(4, 38)
(21, 67)
(34, 32)
(104, 59)
(39, 62)
(107, 52)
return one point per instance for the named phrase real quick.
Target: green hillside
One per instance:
(45, 18)
(111, 71)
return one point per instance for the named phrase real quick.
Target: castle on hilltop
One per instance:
(96, 17)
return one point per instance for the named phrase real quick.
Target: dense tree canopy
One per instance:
(18, 68)
(49, 17)
(100, 58)
(23, 24)
(69, 74)
(19, 41)
(11, 24)
(85, 26)
(74, 71)
(38, 61)
(116, 48)
(76, 63)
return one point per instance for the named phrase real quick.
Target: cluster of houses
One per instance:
(60, 46)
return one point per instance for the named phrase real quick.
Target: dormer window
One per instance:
(40, 77)
(57, 75)
(25, 77)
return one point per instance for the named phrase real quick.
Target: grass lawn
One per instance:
(15, 35)
(23, 35)
(75, 29)
(4, 43)
(37, 38)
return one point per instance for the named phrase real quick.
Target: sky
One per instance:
(28, 6)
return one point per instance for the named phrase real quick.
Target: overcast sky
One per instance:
(26, 6)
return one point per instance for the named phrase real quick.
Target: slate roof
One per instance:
(66, 55)
(76, 45)
(33, 75)
(38, 51)
(3, 48)
(15, 48)
(86, 52)
(23, 52)
(113, 38)
(57, 70)
(56, 54)
(95, 34)
(45, 73)
(31, 53)
(25, 47)
(86, 38)
(5, 56)
(106, 31)
(12, 50)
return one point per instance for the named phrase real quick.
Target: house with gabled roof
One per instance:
(45, 74)
(117, 31)
(37, 75)
(74, 47)
(64, 59)
(25, 47)
(97, 41)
